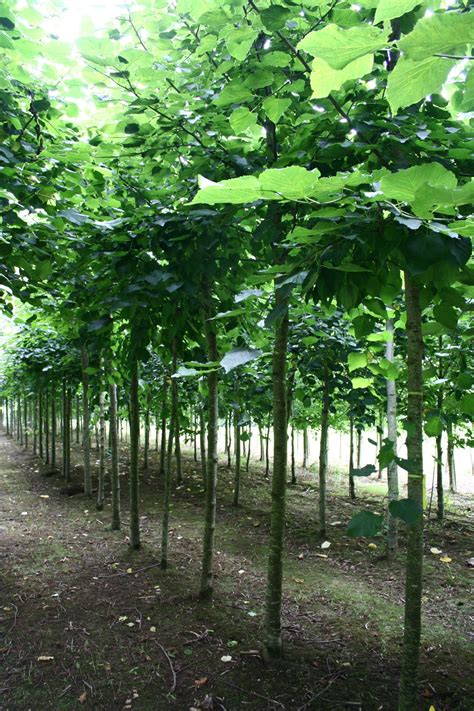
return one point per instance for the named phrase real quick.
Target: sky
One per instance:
(67, 23)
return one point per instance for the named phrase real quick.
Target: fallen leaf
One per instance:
(325, 545)
(200, 682)
(44, 496)
(301, 556)
(129, 571)
(372, 546)
(82, 698)
(299, 580)
(445, 559)
(45, 658)
(321, 555)
(152, 629)
(226, 658)
(435, 551)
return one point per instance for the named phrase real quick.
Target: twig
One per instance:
(253, 693)
(320, 693)
(173, 686)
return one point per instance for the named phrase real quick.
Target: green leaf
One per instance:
(39, 105)
(132, 128)
(404, 184)
(413, 81)
(233, 93)
(367, 470)
(324, 79)
(466, 404)
(358, 383)
(275, 108)
(433, 426)
(407, 510)
(236, 190)
(364, 524)
(242, 119)
(386, 453)
(238, 40)
(442, 33)
(389, 9)
(239, 356)
(7, 23)
(293, 183)
(446, 315)
(356, 360)
(338, 47)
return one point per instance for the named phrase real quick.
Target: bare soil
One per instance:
(86, 623)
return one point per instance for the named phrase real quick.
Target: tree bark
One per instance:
(101, 482)
(293, 467)
(305, 448)
(351, 461)
(323, 456)
(167, 468)
(451, 464)
(237, 458)
(134, 446)
(202, 443)
(53, 427)
(392, 469)
(115, 473)
(273, 642)
(207, 577)
(408, 697)
(86, 435)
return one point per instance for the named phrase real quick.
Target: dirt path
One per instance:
(86, 624)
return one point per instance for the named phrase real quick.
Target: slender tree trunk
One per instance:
(293, 467)
(228, 441)
(202, 443)
(40, 424)
(380, 440)
(177, 432)
(392, 469)
(86, 434)
(247, 465)
(163, 436)
(53, 427)
(167, 468)
(207, 577)
(451, 464)
(351, 461)
(267, 453)
(114, 450)
(146, 446)
(439, 443)
(46, 424)
(7, 417)
(323, 456)
(273, 642)
(262, 444)
(78, 419)
(237, 470)
(359, 446)
(305, 448)
(408, 698)
(134, 446)
(101, 482)
(20, 420)
(66, 433)
(25, 421)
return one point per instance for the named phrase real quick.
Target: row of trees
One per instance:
(332, 222)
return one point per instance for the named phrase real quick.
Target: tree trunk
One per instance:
(273, 642)
(167, 468)
(25, 422)
(66, 433)
(134, 446)
(78, 419)
(7, 418)
(439, 442)
(163, 437)
(293, 468)
(207, 582)
(177, 431)
(202, 444)
(380, 440)
(408, 698)
(247, 465)
(40, 424)
(53, 427)
(323, 456)
(267, 453)
(262, 444)
(392, 469)
(451, 464)
(146, 446)
(359, 447)
(101, 482)
(86, 435)
(114, 450)
(305, 448)
(351, 461)
(237, 442)
(228, 442)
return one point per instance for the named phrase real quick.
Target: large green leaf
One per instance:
(242, 119)
(389, 9)
(441, 33)
(293, 183)
(275, 108)
(239, 40)
(236, 191)
(338, 47)
(406, 509)
(325, 79)
(239, 356)
(365, 524)
(466, 404)
(356, 360)
(404, 184)
(413, 81)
